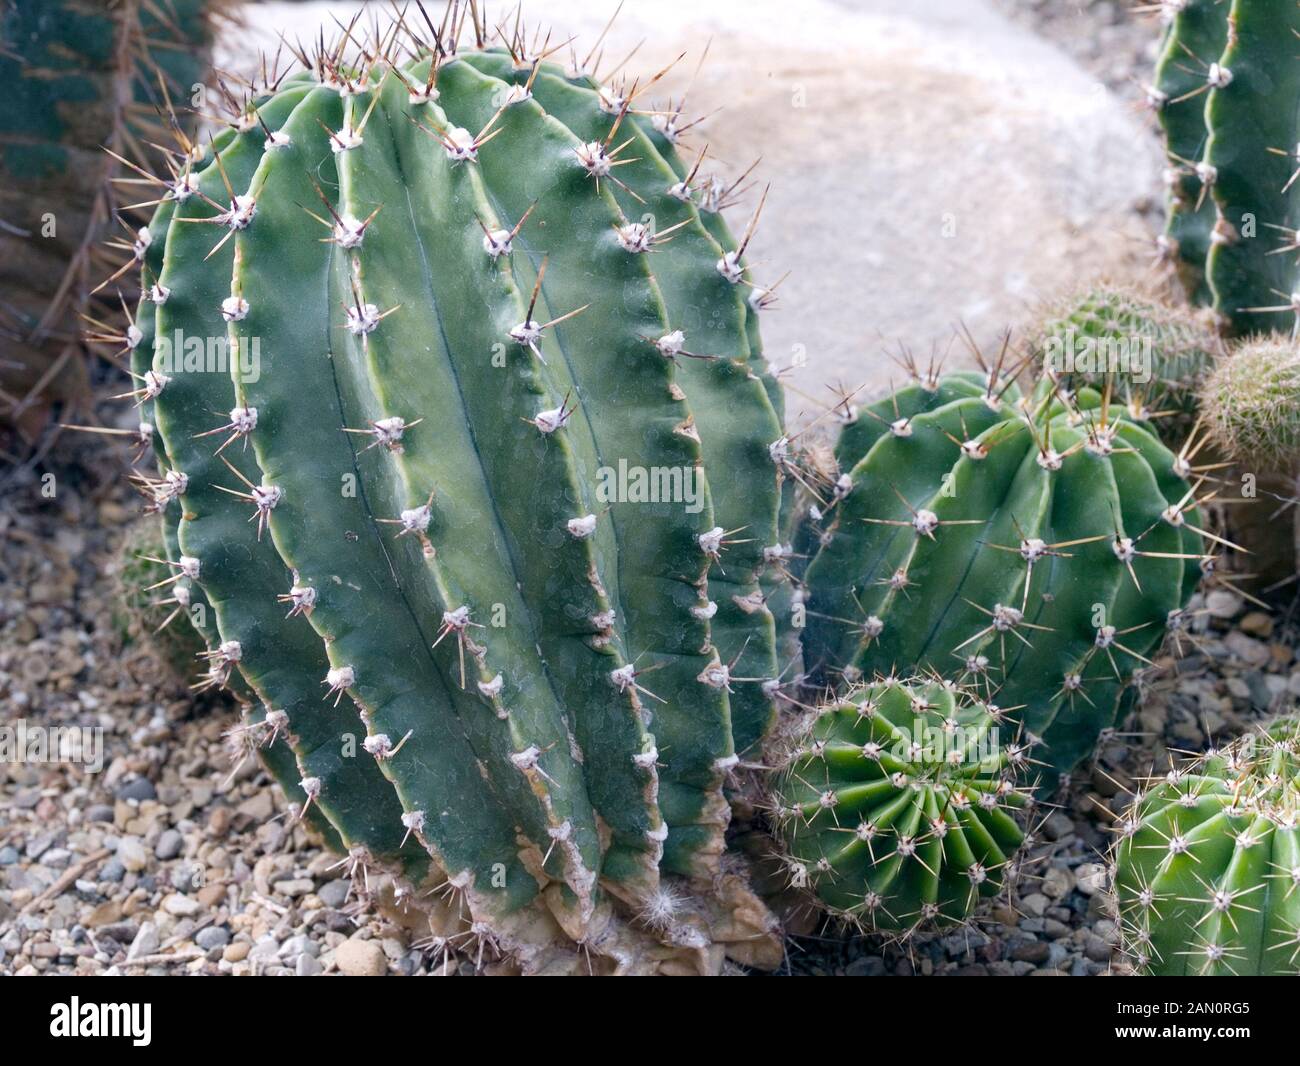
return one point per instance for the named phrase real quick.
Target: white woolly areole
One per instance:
(671, 343)
(234, 308)
(730, 268)
(416, 519)
(341, 677)
(550, 421)
(704, 613)
(711, 542)
(582, 527)
(623, 678)
(460, 145)
(635, 237)
(492, 689)
(243, 420)
(593, 158)
(497, 243)
(348, 232)
(362, 320)
(189, 566)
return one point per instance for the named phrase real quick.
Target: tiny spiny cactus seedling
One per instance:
(1207, 862)
(457, 283)
(1226, 92)
(1156, 355)
(900, 806)
(1036, 546)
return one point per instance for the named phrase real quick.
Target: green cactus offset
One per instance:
(1207, 863)
(1039, 547)
(1227, 93)
(900, 804)
(1156, 355)
(404, 325)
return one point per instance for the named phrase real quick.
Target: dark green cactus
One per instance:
(1038, 547)
(440, 346)
(1227, 92)
(900, 804)
(1208, 863)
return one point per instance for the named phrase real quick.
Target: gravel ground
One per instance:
(169, 862)
(166, 861)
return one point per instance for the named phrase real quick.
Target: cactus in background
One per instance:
(1251, 403)
(899, 804)
(1037, 547)
(1208, 863)
(80, 76)
(434, 463)
(1227, 93)
(1156, 355)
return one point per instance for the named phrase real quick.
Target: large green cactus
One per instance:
(900, 806)
(459, 307)
(1208, 863)
(1227, 93)
(1036, 546)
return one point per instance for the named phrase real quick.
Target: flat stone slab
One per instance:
(929, 163)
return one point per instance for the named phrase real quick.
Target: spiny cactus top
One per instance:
(1039, 546)
(489, 463)
(1154, 354)
(1208, 863)
(899, 803)
(1251, 404)
(1227, 92)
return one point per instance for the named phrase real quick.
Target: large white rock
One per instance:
(929, 163)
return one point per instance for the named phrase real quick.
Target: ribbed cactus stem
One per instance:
(1208, 863)
(1039, 546)
(900, 804)
(446, 326)
(1251, 404)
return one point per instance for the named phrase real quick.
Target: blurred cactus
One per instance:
(79, 76)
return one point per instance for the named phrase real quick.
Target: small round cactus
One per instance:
(1155, 354)
(1208, 863)
(898, 804)
(1251, 403)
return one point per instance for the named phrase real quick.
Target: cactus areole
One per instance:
(447, 295)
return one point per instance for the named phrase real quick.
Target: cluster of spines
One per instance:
(1207, 862)
(264, 238)
(900, 804)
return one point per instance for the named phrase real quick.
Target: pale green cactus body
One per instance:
(425, 385)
